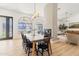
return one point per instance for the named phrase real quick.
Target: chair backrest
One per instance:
(47, 40)
(23, 37)
(47, 33)
(26, 41)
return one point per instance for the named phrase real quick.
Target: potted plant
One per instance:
(62, 28)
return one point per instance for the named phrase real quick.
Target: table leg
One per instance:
(33, 49)
(50, 49)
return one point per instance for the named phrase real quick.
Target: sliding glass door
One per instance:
(2, 27)
(6, 27)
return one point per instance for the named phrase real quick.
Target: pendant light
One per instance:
(36, 13)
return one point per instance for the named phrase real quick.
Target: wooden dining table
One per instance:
(36, 38)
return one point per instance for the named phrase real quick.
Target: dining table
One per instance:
(37, 38)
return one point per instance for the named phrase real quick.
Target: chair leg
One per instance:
(28, 51)
(42, 52)
(48, 52)
(37, 52)
(24, 46)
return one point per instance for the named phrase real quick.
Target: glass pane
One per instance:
(28, 27)
(39, 28)
(2, 27)
(10, 27)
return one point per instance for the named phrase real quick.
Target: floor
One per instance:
(59, 48)
(11, 48)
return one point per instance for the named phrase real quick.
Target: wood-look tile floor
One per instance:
(14, 48)
(11, 48)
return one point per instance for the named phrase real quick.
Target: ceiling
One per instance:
(26, 8)
(64, 9)
(19, 7)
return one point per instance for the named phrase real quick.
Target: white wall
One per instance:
(51, 18)
(16, 17)
(71, 20)
(74, 18)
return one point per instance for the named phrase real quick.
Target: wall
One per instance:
(71, 20)
(51, 18)
(16, 17)
(75, 18)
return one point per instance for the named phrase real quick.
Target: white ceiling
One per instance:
(67, 9)
(18, 7)
(28, 8)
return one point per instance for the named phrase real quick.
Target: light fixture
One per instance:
(36, 13)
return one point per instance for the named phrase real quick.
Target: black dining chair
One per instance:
(43, 45)
(27, 44)
(24, 42)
